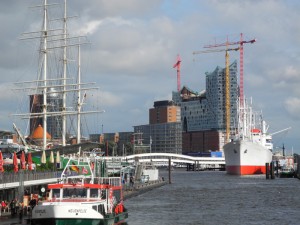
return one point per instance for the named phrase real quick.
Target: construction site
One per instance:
(209, 117)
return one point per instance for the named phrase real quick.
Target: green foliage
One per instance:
(129, 148)
(46, 167)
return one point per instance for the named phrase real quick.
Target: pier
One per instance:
(51, 177)
(12, 185)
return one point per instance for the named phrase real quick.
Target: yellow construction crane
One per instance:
(227, 85)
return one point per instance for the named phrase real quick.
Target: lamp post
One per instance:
(150, 144)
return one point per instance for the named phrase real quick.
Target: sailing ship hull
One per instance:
(243, 157)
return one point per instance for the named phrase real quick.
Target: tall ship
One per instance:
(58, 95)
(251, 147)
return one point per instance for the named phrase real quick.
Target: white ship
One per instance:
(250, 149)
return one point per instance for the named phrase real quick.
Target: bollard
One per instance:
(267, 171)
(170, 164)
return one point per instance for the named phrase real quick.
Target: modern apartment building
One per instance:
(164, 131)
(164, 112)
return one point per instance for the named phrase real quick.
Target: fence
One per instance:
(27, 175)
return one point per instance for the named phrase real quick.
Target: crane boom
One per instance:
(216, 50)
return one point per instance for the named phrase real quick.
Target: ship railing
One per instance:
(112, 181)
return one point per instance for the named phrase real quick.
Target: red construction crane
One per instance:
(177, 65)
(241, 47)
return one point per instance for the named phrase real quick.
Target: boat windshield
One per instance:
(94, 193)
(74, 193)
(56, 193)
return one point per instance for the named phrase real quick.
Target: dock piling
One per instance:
(170, 171)
(272, 170)
(267, 171)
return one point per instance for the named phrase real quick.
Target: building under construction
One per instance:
(203, 114)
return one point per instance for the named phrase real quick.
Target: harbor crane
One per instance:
(241, 47)
(227, 85)
(177, 66)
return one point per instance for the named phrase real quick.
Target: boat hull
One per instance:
(72, 214)
(108, 220)
(68, 221)
(245, 157)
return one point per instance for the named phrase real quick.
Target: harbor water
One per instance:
(214, 197)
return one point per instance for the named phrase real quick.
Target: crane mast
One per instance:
(227, 96)
(177, 66)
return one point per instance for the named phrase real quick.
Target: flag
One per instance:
(1, 162)
(84, 170)
(29, 161)
(15, 162)
(92, 165)
(74, 167)
(23, 162)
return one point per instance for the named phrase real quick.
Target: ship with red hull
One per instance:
(245, 157)
(251, 148)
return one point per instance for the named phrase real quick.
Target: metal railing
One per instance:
(27, 176)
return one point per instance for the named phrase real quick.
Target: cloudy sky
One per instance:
(134, 44)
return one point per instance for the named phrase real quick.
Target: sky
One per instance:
(134, 45)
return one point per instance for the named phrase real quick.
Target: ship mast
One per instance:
(64, 123)
(79, 96)
(45, 76)
(50, 41)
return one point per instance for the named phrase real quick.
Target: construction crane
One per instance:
(241, 47)
(227, 85)
(177, 66)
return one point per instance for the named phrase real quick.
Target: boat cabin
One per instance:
(85, 188)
